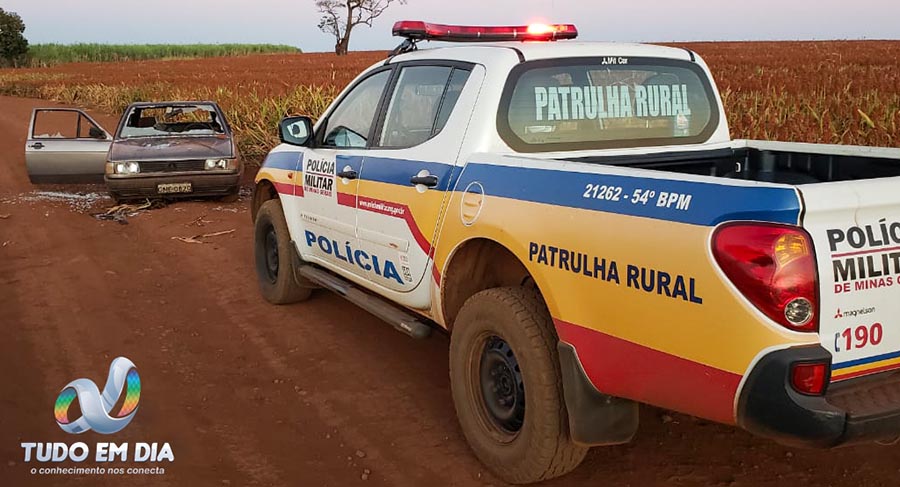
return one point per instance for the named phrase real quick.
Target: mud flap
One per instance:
(595, 419)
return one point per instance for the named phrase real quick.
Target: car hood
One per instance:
(171, 149)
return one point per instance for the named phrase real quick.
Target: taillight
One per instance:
(774, 267)
(809, 378)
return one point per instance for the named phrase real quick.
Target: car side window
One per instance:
(350, 122)
(421, 104)
(64, 124)
(88, 130)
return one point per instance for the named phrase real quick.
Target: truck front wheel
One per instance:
(274, 257)
(507, 389)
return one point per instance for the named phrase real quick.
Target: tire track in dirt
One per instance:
(317, 352)
(81, 336)
(76, 335)
(262, 395)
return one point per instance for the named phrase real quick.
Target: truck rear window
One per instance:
(604, 103)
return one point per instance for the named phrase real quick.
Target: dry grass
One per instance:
(845, 92)
(825, 92)
(253, 116)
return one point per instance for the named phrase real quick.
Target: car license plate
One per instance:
(170, 188)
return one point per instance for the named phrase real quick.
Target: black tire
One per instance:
(274, 257)
(522, 438)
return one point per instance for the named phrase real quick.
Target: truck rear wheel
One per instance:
(274, 257)
(507, 389)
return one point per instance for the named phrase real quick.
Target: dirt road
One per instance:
(246, 393)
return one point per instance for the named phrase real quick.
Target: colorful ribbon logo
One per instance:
(96, 409)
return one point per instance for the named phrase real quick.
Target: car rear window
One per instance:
(601, 103)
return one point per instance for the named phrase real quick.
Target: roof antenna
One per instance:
(408, 45)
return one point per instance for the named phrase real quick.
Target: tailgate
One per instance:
(855, 226)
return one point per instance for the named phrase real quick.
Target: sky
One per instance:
(294, 22)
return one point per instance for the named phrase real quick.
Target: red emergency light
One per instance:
(417, 30)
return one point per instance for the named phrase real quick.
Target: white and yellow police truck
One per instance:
(578, 219)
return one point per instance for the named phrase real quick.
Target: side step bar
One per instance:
(399, 319)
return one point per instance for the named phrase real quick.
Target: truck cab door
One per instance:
(408, 176)
(330, 176)
(65, 145)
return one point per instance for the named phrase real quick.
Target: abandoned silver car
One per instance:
(160, 150)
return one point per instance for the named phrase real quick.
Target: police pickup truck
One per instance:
(577, 218)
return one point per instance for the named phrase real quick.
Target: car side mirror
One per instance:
(296, 130)
(96, 133)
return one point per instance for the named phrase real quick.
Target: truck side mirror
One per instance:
(296, 130)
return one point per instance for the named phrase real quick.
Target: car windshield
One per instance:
(172, 120)
(607, 103)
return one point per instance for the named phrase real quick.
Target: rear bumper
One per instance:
(146, 185)
(856, 411)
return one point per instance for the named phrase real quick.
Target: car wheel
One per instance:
(274, 257)
(507, 389)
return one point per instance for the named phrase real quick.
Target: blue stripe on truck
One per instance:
(680, 201)
(867, 360)
(696, 203)
(399, 171)
(283, 160)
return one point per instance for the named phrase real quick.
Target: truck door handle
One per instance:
(429, 181)
(37, 145)
(348, 174)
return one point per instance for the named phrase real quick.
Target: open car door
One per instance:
(65, 145)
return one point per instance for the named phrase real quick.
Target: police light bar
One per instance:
(416, 31)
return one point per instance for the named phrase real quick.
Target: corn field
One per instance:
(841, 92)
(44, 55)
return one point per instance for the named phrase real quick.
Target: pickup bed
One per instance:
(577, 218)
(774, 162)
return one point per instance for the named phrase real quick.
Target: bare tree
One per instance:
(339, 17)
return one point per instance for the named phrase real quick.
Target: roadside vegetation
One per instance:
(821, 92)
(831, 92)
(253, 115)
(44, 55)
(13, 45)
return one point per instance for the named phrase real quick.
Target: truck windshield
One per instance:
(603, 103)
(169, 120)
